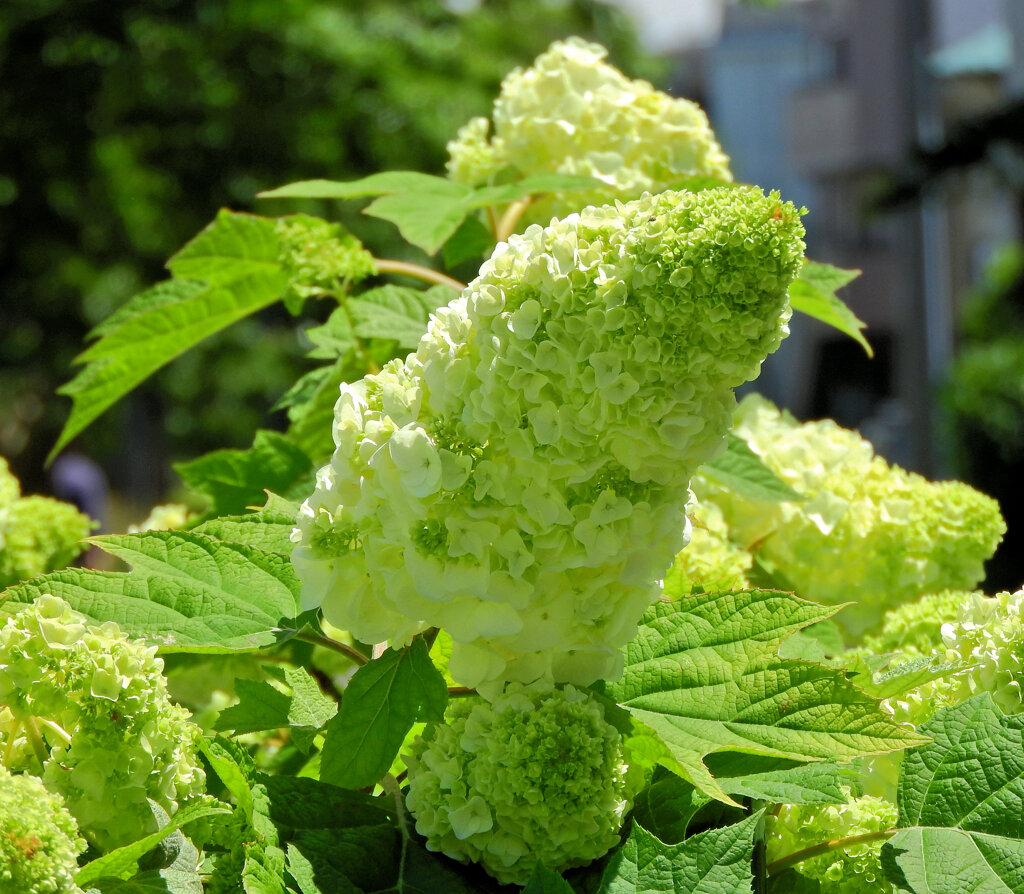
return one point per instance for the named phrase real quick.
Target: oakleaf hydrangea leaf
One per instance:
(962, 796)
(705, 675)
(381, 702)
(713, 862)
(187, 592)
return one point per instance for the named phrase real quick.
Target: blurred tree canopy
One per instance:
(125, 126)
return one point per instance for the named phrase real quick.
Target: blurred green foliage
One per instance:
(125, 126)
(985, 398)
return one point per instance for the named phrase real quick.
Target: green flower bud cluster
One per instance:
(521, 479)
(320, 256)
(856, 869)
(39, 841)
(711, 562)
(534, 776)
(572, 113)
(37, 534)
(867, 531)
(86, 709)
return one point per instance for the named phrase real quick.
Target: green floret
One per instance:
(852, 870)
(39, 841)
(37, 534)
(86, 709)
(916, 627)
(867, 532)
(989, 636)
(537, 776)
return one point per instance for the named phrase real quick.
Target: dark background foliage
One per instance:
(125, 126)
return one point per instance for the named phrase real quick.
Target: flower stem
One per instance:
(417, 271)
(344, 648)
(779, 866)
(507, 224)
(36, 740)
(461, 692)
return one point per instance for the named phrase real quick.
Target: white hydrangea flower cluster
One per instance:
(867, 531)
(521, 479)
(989, 636)
(572, 113)
(86, 708)
(711, 562)
(39, 840)
(853, 870)
(534, 776)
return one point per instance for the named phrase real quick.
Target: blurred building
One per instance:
(823, 99)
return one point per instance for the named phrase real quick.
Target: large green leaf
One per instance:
(742, 470)
(963, 797)
(714, 862)
(813, 292)
(267, 531)
(704, 675)
(381, 703)
(226, 273)
(296, 803)
(186, 592)
(236, 480)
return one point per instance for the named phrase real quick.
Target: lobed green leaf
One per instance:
(704, 675)
(305, 710)
(267, 531)
(717, 861)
